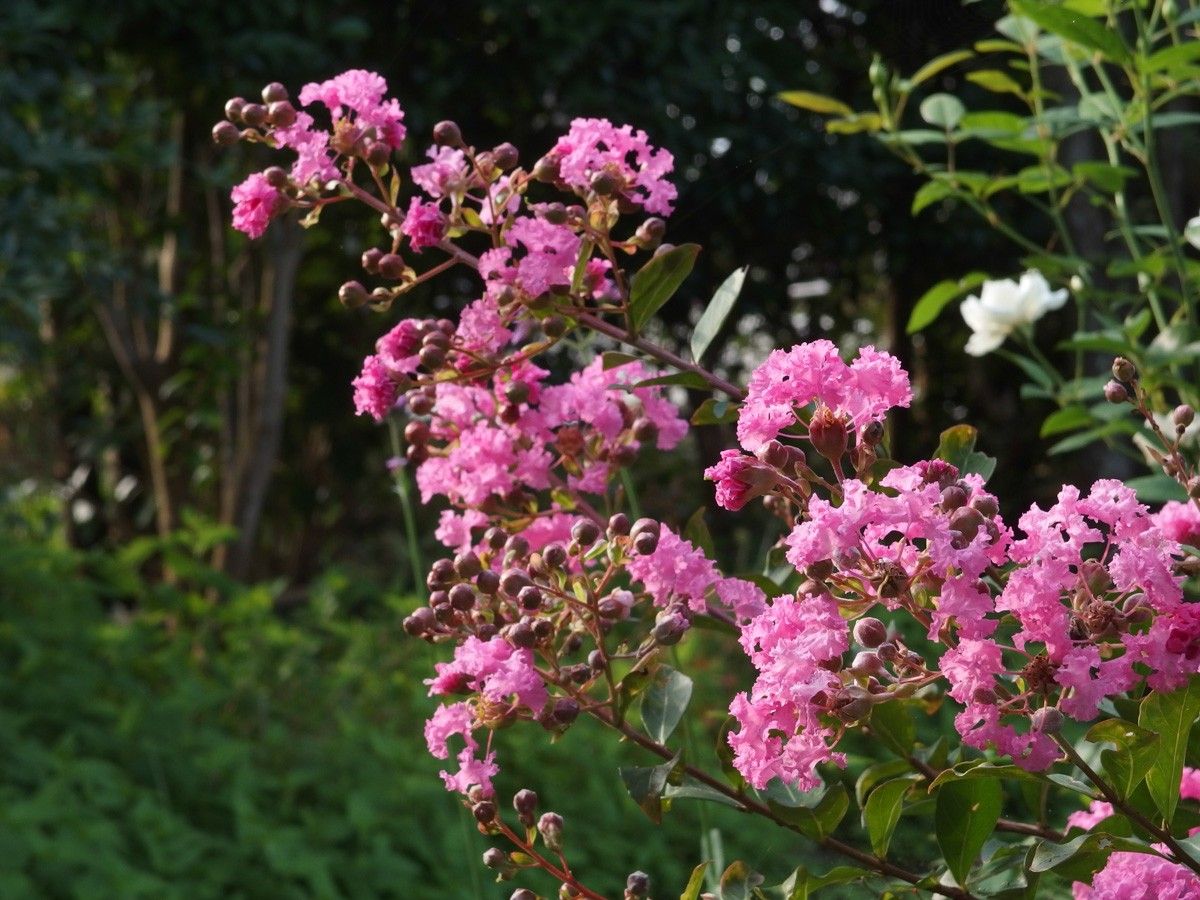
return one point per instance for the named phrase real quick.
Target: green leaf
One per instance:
(738, 881)
(1157, 488)
(1074, 27)
(882, 811)
(613, 359)
(1171, 716)
(817, 103)
(691, 789)
(1171, 57)
(943, 110)
(819, 821)
(716, 312)
(692, 380)
(646, 785)
(696, 531)
(864, 121)
(1104, 176)
(1135, 751)
(1049, 855)
(996, 81)
(929, 193)
(965, 815)
(1068, 418)
(893, 724)
(656, 282)
(877, 774)
(976, 768)
(939, 64)
(938, 297)
(957, 447)
(997, 46)
(695, 883)
(802, 884)
(715, 412)
(664, 702)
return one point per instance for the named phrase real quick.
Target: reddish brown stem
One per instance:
(562, 874)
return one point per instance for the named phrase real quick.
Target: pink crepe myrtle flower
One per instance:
(360, 92)
(447, 174)
(496, 669)
(788, 380)
(1179, 521)
(255, 202)
(458, 720)
(739, 479)
(314, 158)
(781, 733)
(675, 570)
(594, 147)
(424, 225)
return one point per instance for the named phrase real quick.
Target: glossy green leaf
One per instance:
(738, 881)
(996, 81)
(943, 110)
(1069, 418)
(695, 883)
(657, 281)
(717, 312)
(696, 531)
(964, 818)
(692, 380)
(859, 122)
(817, 103)
(1172, 717)
(664, 702)
(646, 784)
(820, 821)
(613, 359)
(893, 724)
(882, 811)
(939, 64)
(957, 447)
(929, 193)
(802, 884)
(1157, 488)
(1074, 27)
(1050, 855)
(691, 789)
(934, 300)
(715, 412)
(1134, 750)
(1172, 57)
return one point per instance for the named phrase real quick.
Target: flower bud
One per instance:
(645, 543)
(254, 115)
(586, 532)
(554, 556)
(550, 827)
(869, 632)
(432, 358)
(651, 232)
(512, 581)
(637, 886)
(828, 434)
(618, 525)
(447, 134)
(525, 803)
(392, 266)
(530, 597)
(954, 497)
(274, 93)
(1124, 370)
(517, 547)
(1182, 416)
(378, 155)
(505, 157)
(872, 433)
(603, 183)
(887, 651)
(523, 894)
(420, 622)
(669, 627)
(281, 114)
(1047, 720)
(967, 522)
(484, 811)
(233, 109)
(986, 506)
(225, 134)
(462, 597)
(554, 326)
(866, 663)
(1114, 392)
(352, 295)
(488, 582)
(546, 169)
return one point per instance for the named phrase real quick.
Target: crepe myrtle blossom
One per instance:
(1004, 306)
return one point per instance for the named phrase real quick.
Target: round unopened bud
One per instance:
(669, 627)
(447, 134)
(254, 115)
(529, 597)
(391, 265)
(586, 532)
(954, 497)
(986, 506)
(872, 433)
(281, 114)
(546, 169)
(432, 358)
(966, 521)
(1124, 370)
(484, 811)
(618, 525)
(225, 134)
(554, 556)
(554, 326)
(466, 564)
(1183, 416)
(1114, 392)
(352, 295)
(637, 885)
(867, 663)
(887, 651)
(1047, 720)
(494, 858)
(276, 177)
(523, 894)
(651, 232)
(488, 582)
(420, 622)
(644, 429)
(512, 581)
(505, 157)
(525, 803)
(773, 454)
(517, 547)
(828, 433)
(554, 213)
(522, 635)
(462, 597)
(645, 543)
(603, 183)
(550, 827)
(495, 537)
(233, 108)
(869, 632)
(274, 93)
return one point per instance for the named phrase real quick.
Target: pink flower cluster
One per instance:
(595, 148)
(789, 380)
(1138, 876)
(677, 570)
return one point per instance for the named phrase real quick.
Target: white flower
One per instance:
(1006, 305)
(1191, 232)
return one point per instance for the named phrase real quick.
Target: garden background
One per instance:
(204, 688)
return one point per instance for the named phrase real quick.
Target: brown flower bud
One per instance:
(550, 827)
(1182, 416)
(274, 93)
(392, 266)
(488, 582)
(281, 114)
(352, 295)
(447, 134)
(505, 157)
(1114, 392)
(254, 115)
(1124, 370)
(618, 525)
(828, 433)
(1047, 720)
(225, 134)
(586, 532)
(233, 109)
(869, 632)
